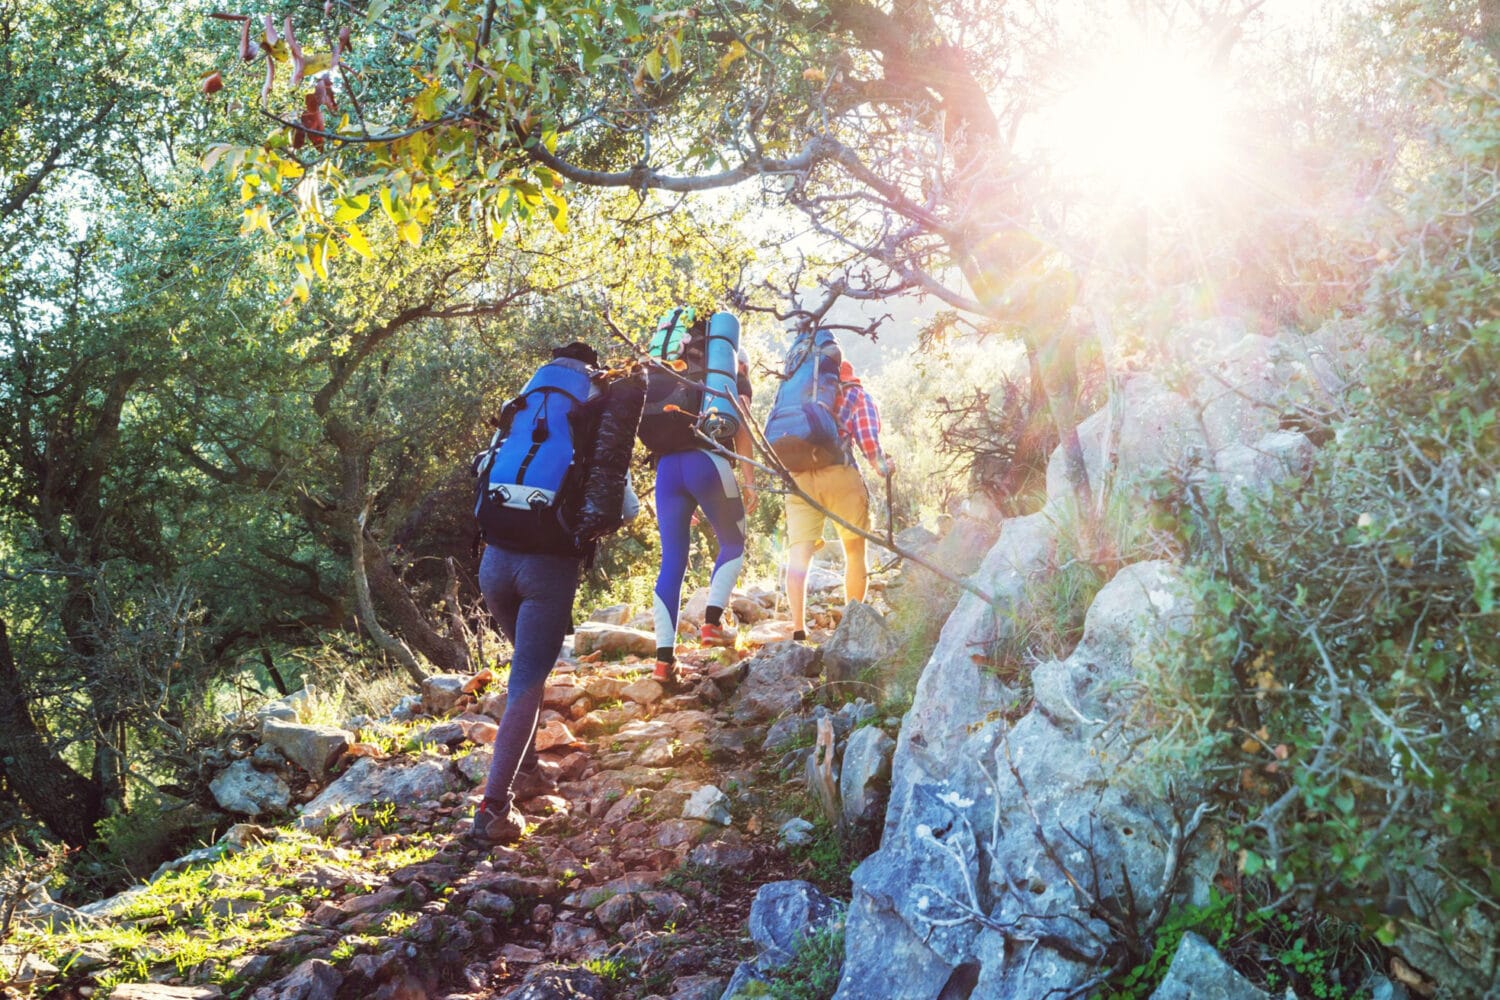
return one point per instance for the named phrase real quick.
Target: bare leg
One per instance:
(855, 576)
(798, 559)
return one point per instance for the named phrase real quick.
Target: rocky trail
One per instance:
(683, 853)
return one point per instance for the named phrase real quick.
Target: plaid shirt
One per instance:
(859, 420)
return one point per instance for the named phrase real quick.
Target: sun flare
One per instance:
(1149, 121)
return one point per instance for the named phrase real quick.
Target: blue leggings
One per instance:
(686, 480)
(531, 598)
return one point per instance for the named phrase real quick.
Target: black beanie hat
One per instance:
(578, 351)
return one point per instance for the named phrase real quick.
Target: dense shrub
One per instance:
(1345, 689)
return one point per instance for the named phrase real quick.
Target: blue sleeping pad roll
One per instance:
(719, 417)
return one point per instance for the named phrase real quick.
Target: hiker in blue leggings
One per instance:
(725, 491)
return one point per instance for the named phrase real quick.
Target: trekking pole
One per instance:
(890, 511)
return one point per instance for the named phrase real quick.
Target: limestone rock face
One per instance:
(960, 764)
(240, 788)
(1255, 468)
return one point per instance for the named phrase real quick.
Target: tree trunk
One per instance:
(67, 803)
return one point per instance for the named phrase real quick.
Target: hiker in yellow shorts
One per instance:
(841, 490)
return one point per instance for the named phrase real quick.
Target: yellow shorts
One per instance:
(841, 489)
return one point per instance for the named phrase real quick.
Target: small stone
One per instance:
(441, 692)
(521, 955)
(644, 691)
(795, 832)
(160, 991)
(719, 855)
(615, 614)
(708, 803)
(493, 904)
(555, 734)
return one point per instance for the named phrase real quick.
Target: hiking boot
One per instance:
(494, 827)
(717, 635)
(667, 675)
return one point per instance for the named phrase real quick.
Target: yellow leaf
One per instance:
(256, 217)
(349, 208)
(212, 154)
(320, 258)
(735, 51)
(410, 232)
(299, 289)
(394, 211)
(355, 237)
(288, 169)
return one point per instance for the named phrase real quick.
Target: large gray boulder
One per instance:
(1149, 427)
(954, 692)
(240, 788)
(865, 772)
(368, 780)
(861, 641)
(1254, 469)
(612, 640)
(782, 917)
(972, 794)
(1198, 972)
(313, 748)
(776, 679)
(1235, 399)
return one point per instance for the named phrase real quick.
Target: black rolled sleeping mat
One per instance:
(602, 508)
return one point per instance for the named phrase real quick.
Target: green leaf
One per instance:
(376, 10)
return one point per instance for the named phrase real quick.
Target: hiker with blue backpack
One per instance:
(692, 428)
(821, 415)
(554, 480)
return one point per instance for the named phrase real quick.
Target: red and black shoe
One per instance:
(667, 675)
(717, 635)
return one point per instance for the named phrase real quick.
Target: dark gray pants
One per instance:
(531, 598)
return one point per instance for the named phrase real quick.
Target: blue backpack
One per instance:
(529, 473)
(802, 427)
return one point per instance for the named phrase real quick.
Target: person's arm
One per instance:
(861, 422)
